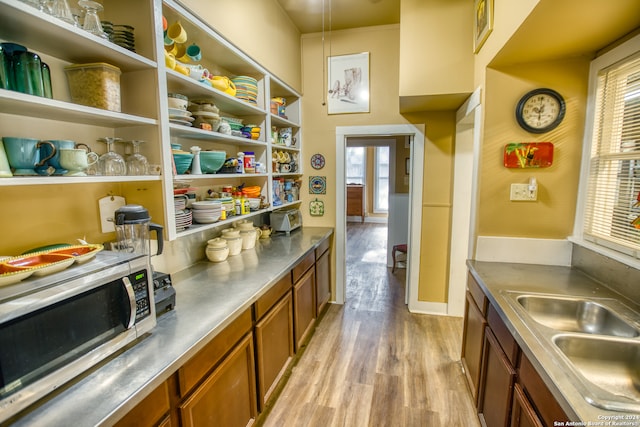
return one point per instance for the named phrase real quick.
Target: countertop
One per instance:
(209, 296)
(496, 279)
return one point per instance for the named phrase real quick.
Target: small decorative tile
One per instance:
(317, 185)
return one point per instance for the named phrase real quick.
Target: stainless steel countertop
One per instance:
(497, 278)
(209, 296)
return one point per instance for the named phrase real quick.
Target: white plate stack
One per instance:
(180, 117)
(206, 211)
(183, 215)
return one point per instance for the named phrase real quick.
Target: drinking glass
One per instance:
(61, 10)
(111, 163)
(91, 20)
(136, 162)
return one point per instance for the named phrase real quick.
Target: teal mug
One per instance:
(52, 166)
(24, 154)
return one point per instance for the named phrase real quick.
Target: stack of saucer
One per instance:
(246, 88)
(207, 211)
(183, 219)
(120, 34)
(180, 117)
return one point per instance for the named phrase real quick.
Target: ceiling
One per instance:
(340, 14)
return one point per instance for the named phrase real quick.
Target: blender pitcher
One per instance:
(132, 225)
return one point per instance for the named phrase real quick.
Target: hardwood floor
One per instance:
(371, 362)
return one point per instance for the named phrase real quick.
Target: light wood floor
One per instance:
(371, 362)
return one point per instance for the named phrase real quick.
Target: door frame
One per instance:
(416, 133)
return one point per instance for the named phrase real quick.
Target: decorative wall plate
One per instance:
(317, 161)
(316, 207)
(317, 185)
(528, 155)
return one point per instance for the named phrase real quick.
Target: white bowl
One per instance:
(206, 204)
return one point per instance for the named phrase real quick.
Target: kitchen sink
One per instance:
(576, 315)
(596, 341)
(612, 365)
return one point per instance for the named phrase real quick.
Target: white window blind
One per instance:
(614, 171)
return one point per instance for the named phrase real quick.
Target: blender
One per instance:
(133, 226)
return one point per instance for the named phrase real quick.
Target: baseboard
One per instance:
(524, 250)
(426, 307)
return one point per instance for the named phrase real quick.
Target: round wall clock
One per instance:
(317, 161)
(540, 110)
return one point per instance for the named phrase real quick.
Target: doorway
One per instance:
(414, 217)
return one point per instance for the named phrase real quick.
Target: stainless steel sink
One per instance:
(595, 340)
(576, 315)
(612, 365)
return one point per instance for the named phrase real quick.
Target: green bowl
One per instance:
(182, 162)
(212, 161)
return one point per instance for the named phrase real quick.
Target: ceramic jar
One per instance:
(234, 244)
(217, 250)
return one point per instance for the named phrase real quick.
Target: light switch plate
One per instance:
(521, 193)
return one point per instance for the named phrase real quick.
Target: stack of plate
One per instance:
(180, 117)
(246, 88)
(207, 211)
(122, 35)
(179, 202)
(183, 219)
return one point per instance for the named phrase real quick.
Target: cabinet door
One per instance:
(274, 346)
(472, 341)
(323, 281)
(304, 306)
(228, 396)
(496, 384)
(150, 410)
(523, 414)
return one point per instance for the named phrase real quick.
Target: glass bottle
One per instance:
(46, 81)
(27, 73)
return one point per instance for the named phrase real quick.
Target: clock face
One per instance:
(540, 110)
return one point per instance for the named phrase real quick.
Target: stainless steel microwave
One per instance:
(53, 328)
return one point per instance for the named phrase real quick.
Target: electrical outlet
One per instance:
(521, 193)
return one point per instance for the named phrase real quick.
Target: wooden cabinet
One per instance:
(274, 338)
(304, 298)
(227, 397)
(355, 200)
(496, 384)
(473, 335)
(523, 414)
(152, 411)
(323, 276)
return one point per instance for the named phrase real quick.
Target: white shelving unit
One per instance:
(145, 84)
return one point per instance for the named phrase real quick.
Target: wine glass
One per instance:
(111, 163)
(91, 20)
(136, 162)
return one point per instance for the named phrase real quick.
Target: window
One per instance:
(381, 183)
(611, 206)
(356, 165)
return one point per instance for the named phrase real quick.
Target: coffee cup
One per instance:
(196, 72)
(169, 60)
(24, 154)
(181, 54)
(177, 33)
(76, 160)
(53, 162)
(194, 52)
(285, 168)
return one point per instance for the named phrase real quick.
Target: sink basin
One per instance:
(612, 365)
(576, 315)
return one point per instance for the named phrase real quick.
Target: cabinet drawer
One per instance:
(266, 301)
(149, 411)
(301, 268)
(478, 296)
(504, 337)
(192, 372)
(322, 248)
(539, 394)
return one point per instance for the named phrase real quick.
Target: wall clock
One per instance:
(540, 110)
(317, 161)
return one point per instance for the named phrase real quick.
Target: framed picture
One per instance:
(348, 84)
(482, 23)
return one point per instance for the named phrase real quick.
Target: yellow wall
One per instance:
(434, 47)
(261, 29)
(552, 215)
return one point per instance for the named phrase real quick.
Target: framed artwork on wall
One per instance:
(348, 84)
(482, 22)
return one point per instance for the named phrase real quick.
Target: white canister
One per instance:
(248, 239)
(234, 244)
(217, 254)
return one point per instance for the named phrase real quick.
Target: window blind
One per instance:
(612, 204)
